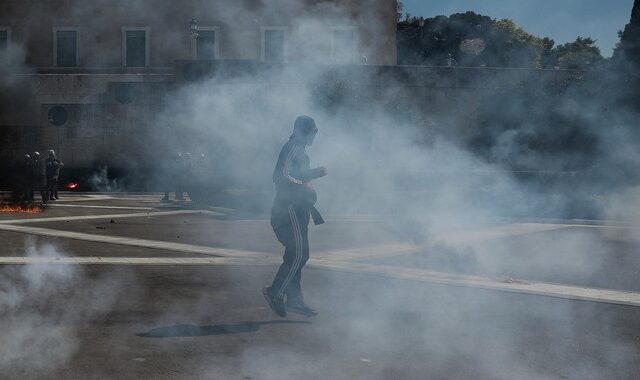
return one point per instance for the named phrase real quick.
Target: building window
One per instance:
(5, 39)
(208, 42)
(274, 44)
(65, 47)
(135, 47)
(344, 44)
(58, 115)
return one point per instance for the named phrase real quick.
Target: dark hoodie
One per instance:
(293, 173)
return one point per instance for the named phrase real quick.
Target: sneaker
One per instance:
(301, 308)
(276, 304)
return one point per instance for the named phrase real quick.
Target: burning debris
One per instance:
(21, 208)
(72, 185)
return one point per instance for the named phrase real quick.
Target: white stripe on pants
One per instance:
(298, 258)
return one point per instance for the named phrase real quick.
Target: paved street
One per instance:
(123, 286)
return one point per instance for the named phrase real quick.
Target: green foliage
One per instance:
(580, 54)
(470, 39)
(627, 52)
(399, 9)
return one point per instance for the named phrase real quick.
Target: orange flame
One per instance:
(72, 185)
(21, 209)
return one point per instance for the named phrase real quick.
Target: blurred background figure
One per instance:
(38, 175)
(52, 170)
(176, 172)
(185, 166)
(23, 179)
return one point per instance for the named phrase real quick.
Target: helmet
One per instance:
(36, 154)
(304, 126)
(52, 153)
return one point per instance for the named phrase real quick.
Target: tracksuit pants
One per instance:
(290, 223)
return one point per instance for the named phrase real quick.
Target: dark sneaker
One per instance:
(301, 308)
(276, 304)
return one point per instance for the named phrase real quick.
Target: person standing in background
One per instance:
(52, 169)
(38, 176)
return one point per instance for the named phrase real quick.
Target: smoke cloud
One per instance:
(429, 152)
(41, 307)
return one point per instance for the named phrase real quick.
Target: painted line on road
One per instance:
(105, 216)
(459, 237)
(570, 292)
(370, 252)
(134, 242)
(610, 296)
(100, 260)
(328, 263)
(101, 207)
(500, 231)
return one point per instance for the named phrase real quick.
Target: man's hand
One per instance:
(322, 171)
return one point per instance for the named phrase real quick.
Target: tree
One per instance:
(581, 54)
(470, 39)
(627, 52)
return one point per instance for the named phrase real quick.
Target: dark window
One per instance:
(4, 41)
(66, 49)
(58, 115)
(274, 45)
(207, 44)
(136, 48)
(343, 45)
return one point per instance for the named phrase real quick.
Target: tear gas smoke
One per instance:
(39, 330)
(427, 160)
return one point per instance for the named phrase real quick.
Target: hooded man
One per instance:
(290, 214)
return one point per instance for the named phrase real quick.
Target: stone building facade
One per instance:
(68, 67)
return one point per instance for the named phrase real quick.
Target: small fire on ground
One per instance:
(18, 208)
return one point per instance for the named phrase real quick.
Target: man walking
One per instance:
(292, 209)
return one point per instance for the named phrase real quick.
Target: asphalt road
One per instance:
(475, 304)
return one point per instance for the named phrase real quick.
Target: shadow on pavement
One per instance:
(221, 329)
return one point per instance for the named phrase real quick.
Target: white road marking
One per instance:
(98, 260)
(104, 216)
(101, 207)
(499, 231)
(144, 243)
(370, 252)
(334, 260)
(609, 296)
(83, 197)
(456, 238)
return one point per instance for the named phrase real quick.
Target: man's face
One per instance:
(309, 139)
